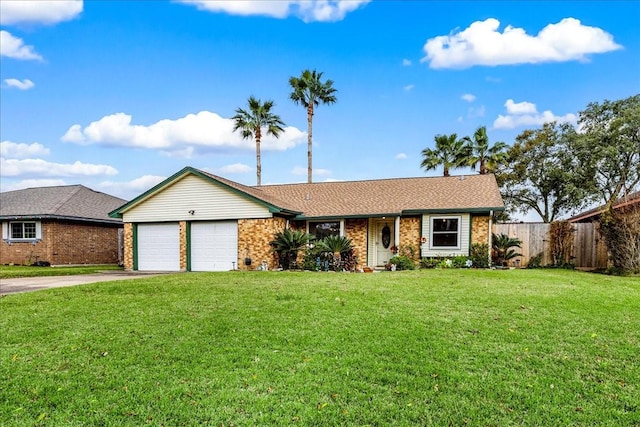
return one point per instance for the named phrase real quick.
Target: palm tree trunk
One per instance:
(258, 163)
(446, 171)
(483, 169)
(309, 143)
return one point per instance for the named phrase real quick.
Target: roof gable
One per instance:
(75, 202)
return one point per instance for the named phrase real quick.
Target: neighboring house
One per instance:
(622, 205)
(60, 225)
(196, 221)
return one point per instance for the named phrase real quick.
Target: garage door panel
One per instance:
(158, 247)
(214, 245)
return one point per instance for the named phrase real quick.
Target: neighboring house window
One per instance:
(445, 232)
(324, 229)
(22, 230)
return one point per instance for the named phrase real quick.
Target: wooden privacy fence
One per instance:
(589, 249)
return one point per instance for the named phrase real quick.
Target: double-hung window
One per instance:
(445, 232)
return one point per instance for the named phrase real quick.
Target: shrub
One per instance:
(536, 261)
(479, 255)
(502, 251)
(460, 261)
(430, 262)
(336, 253)
(287, 243)
(403, 263)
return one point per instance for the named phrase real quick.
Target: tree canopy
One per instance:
(480, 153)
(450, 152)
(251, 122)
(310, 91)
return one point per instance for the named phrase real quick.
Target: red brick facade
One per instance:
(66, 243)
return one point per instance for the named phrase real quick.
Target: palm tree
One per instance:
(488, 157)
(309, 91)
(501, 245)
(252, 122)
(287, 243)
(450, 152)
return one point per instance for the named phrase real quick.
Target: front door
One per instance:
(384, 241)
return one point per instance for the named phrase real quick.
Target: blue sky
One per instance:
(118, 95)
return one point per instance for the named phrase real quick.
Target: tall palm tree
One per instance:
(450, 152)
(488, 157)
(253, 121)
(309, 91)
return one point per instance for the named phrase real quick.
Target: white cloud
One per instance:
(183, 137)
(520, 107)
(526, 114)
(130, 189)
(21, 150)
(307, 10)
(38, 11)
(401, 156)
(406, 62)
(14, 47)
(408, 88)
(31, 183)
(39, 167)
(483, 44)
(468, 97)
(20, 84)
(234, 168)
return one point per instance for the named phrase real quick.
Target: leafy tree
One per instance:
(481, 153)
(310, 91)
(450, 152)
(287, 243)
(253, 121)
(609, 146)
(542, 174)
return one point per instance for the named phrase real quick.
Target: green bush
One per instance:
(430, 262)
(402, 263)
(479, 255)
(535, 261)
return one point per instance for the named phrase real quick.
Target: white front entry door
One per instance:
(384, 241)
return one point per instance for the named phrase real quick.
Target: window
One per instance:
(445, 232)
(23, 230)
(324, 229)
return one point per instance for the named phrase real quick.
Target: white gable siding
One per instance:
(465, 227)
(208, 201)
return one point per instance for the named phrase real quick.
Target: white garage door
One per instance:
(159, 247)
(214, 245)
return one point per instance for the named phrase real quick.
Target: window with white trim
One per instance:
(445, 232)
(23, 230)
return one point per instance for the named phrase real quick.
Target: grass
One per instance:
(15, 271)
(430, 348)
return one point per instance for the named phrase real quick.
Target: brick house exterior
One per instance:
(209, 223)
(59, 225)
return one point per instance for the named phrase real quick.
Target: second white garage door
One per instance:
(214, 245)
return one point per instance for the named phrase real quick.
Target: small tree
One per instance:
(502, 252)
(339, 248)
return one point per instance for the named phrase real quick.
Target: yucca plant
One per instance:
(501, 245)
(287, 243)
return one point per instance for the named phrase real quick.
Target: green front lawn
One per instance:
(14, 271)
(430, 347)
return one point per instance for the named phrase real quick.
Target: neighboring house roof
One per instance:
(68, 202)
(592, 214)
(368, 198)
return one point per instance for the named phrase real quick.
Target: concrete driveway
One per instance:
(29, 284)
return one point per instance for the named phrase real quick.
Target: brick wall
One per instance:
(66, 243)
(410, 229)
(356, 231)
(254, 238)
(128, 246)
(479, 229)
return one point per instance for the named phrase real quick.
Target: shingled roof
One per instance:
(593, 214)
(369, 198)
(390, 196)
(69, 202)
